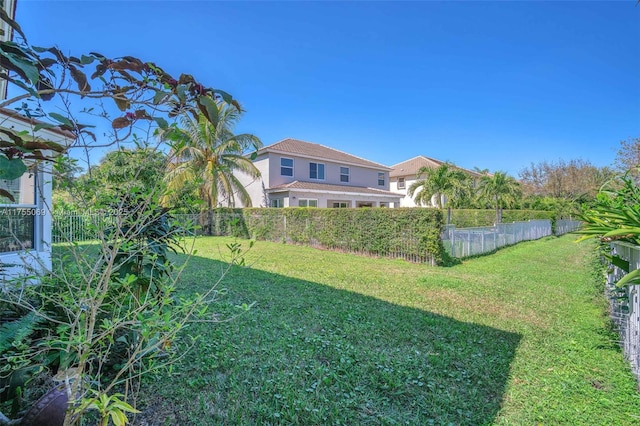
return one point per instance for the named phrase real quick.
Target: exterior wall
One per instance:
(358, 176)
(255, 186)
(5, 35)
(327, 199)
(406, 201)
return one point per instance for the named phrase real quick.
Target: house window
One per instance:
(384, 205)
(316, 171)
(381, 179)
(276, 202)
(340, 205)
(401, 184)
(286, 166)
(17, 217)
(344, 174)
(307, 203)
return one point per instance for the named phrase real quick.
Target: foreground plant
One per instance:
(615, 216)
(107, 314)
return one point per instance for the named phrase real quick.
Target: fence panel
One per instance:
(468, 242)
(625, 304)
(564, 226)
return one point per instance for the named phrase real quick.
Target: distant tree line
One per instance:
(560, 186)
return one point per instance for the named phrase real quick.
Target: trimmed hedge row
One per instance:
(408, 233)
(462, 218)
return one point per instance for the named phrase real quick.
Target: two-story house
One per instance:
(303, 174)
(404, 174)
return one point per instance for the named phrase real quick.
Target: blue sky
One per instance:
(494, 85)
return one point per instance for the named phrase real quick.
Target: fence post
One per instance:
(452, 238)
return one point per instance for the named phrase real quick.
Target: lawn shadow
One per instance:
(309, 354)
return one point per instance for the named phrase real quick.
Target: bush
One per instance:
(465, 218)
(413, 233)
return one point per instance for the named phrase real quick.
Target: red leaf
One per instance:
(142, 113)
(120, 123)
(80, 78)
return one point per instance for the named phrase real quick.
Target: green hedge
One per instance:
(475, 218)
(408, 233)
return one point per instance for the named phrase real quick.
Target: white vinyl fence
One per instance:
(625, 304)
(466, 242)
(564, 226)
(77, 227)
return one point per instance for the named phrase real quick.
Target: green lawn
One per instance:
(520, 337)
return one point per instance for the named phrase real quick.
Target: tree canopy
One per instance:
(500, 191)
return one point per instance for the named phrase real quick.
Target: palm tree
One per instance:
(210, 155)
(499, 190)
(437, 184)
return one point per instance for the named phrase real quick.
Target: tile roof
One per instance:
(314, 186)
(411, 167)
(5, 112)
(314, 150)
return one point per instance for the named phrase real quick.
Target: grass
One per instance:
(516, 338)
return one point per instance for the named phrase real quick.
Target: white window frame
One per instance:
(344, 175)
(402, 184)
(283, 167)
(276, 203)
(381, 179)
(319, 166)
(307, 202)
(12, 211)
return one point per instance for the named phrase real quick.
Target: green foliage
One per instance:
(616, 213)
(13, 333)
(499, 191)
(146, 234)
(109, 312)
(205, 159)
(119, 172)
(467, 218)
(380, 232)
(110, 407)
(615, 216)
(442, 180)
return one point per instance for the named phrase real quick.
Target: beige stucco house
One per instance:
(295, 173)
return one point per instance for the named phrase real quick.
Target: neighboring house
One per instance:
(303, 174)
(25, 224)
(404, 174)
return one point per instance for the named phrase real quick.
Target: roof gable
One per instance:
(316, 151)
(411, 167)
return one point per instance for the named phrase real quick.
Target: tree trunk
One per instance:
(209, 217)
